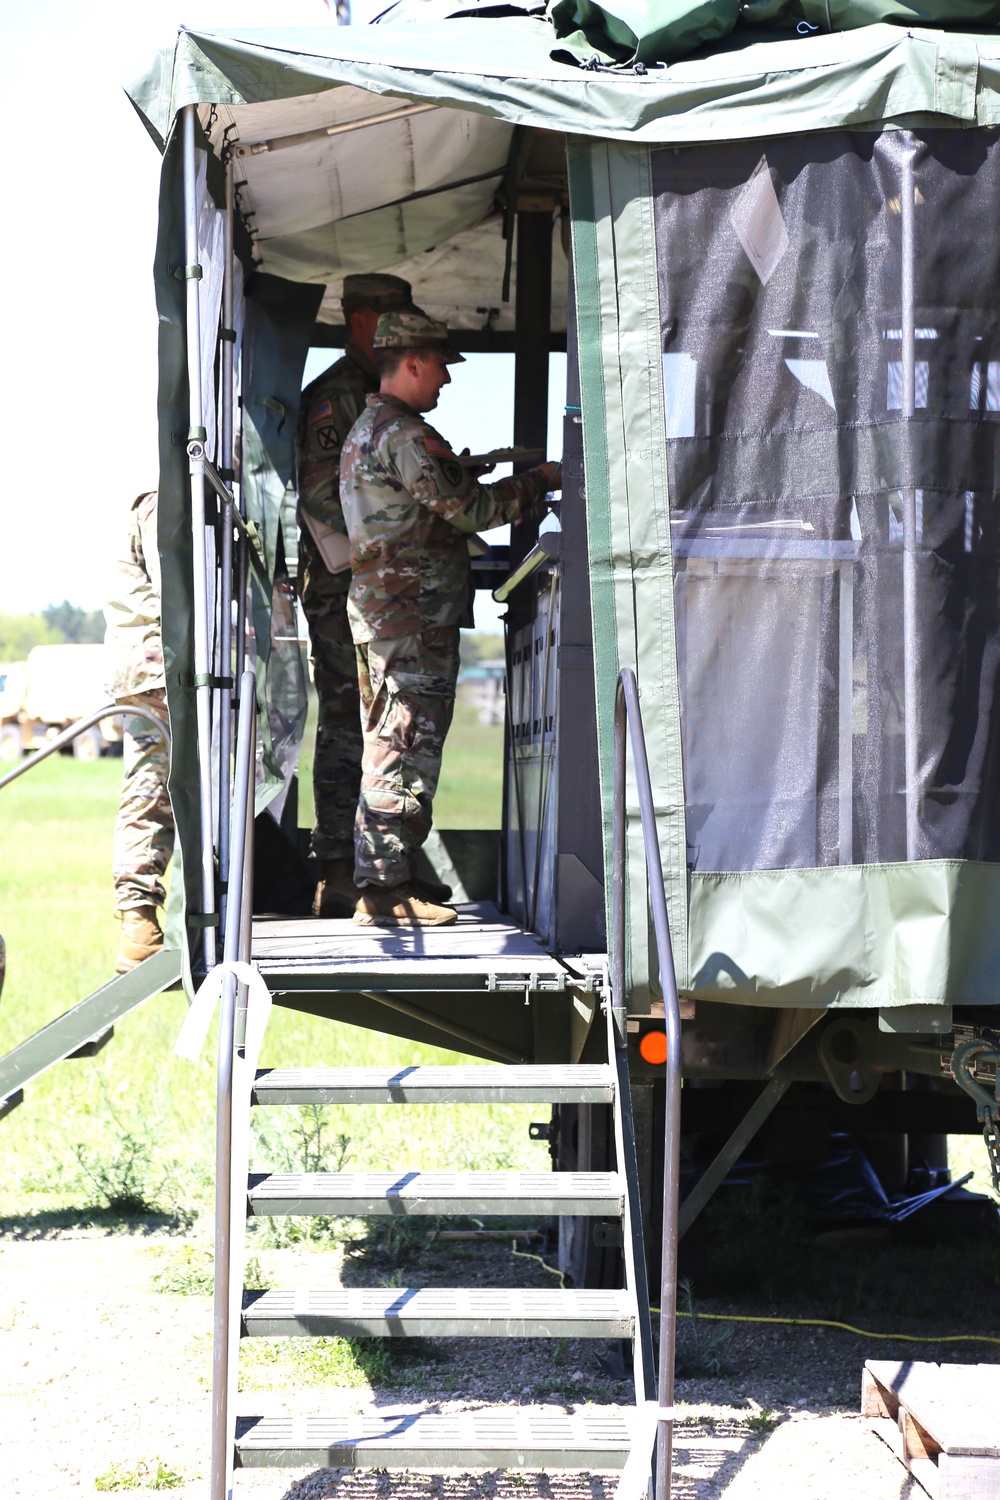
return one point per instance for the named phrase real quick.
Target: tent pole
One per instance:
(227, 361)
(911, 680)
(196, 469)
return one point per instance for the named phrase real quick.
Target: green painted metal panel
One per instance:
(504, 1437)
(438, 1312)
(395, 1193)
(433, 1085)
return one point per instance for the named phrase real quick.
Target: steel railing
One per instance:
(233, 996)
(109, 711)
(628, 723)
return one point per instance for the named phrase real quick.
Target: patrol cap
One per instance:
(376, 290)
(409, 328)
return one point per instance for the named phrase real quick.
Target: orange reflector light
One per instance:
(653, 1047)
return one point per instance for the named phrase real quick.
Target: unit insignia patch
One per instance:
(452, 471)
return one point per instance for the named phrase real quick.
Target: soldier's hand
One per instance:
(476, 470)
(553, 475)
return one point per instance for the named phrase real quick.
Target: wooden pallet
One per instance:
(942, 1421)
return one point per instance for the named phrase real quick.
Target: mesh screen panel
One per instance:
(830, 313)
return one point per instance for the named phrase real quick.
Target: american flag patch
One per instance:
(317, 413)
(438, 448)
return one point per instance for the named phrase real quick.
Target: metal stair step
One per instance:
(368, 1194)
(506, 1437)
(442, 1312)
(436, 1085)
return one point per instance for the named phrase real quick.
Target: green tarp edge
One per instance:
(631, 571)
(174, 542)
(849, 936)
(854, 79)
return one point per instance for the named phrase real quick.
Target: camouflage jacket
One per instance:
(331, 405)
(410, 507)
(132, 637)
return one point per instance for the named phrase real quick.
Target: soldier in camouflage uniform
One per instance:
(411, 504)
(144, 830)
(330, 407)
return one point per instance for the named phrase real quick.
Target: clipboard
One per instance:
(333, 546)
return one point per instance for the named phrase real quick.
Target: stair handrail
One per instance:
(236, 948)
(78, 727)
(628, 718)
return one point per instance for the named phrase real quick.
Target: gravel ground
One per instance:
(97, 1369)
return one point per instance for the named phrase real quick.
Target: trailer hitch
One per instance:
(966, 1057)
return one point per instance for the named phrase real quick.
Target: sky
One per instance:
(78, 361)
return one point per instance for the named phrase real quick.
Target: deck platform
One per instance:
(941, 1421)
(481, 951)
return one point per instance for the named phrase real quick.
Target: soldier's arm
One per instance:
(437, 478)
(325, 424)
(148, 547)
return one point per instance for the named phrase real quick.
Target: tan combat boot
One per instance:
(399, 906)
(141, 938)
(336, 895)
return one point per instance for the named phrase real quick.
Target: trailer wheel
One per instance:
(88, 746)
(10, 743)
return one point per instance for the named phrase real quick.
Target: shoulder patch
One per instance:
(437, 448)
(327, 437)
(318, 412)
(452, 471)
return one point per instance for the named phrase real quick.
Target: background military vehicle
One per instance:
(44, 695)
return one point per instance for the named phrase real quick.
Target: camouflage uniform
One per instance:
(410, 507)
(330, 406)
(144, 829)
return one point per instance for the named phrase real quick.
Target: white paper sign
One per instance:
(756, 218)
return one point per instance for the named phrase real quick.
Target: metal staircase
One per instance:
(505, 1436)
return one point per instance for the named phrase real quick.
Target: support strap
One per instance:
(191, 1038)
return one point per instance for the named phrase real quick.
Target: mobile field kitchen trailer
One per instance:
(761, 654)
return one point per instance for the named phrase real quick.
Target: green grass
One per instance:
(470, 792)
(99, 1139)
(277, 1364)
(188, 1270)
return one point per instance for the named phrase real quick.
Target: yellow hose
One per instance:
(865, 1333)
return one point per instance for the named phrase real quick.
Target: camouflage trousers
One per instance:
(144, 829)
(407, 700)
(337, 761)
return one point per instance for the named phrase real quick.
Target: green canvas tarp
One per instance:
(744, 937)
(661, 31)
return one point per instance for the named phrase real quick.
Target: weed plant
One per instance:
(189, 1271)
(151, 1475)
(701, 1346)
